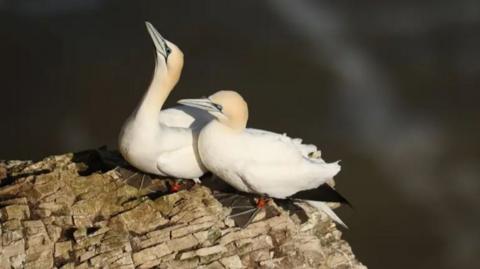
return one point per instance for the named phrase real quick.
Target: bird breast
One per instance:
(221, 153)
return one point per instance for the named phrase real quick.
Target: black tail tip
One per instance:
(324, 193)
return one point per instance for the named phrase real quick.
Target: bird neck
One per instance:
(162, 84)
(220, 127)
(234, 125)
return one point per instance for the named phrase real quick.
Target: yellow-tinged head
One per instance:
(228, 107)
(169, 56)
(233, 107)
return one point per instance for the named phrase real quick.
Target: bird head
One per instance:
(167, 52)
(228, 107)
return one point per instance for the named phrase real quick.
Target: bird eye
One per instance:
(219, 107)
(169, 50)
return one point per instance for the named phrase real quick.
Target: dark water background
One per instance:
(389, 87)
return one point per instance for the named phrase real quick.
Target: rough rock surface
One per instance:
(54, 215)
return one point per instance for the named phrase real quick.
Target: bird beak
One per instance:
(205, 104)
(202, 103)
(160, 44)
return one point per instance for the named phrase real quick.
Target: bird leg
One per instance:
(176, 185)
(245, 213)
(262, 201)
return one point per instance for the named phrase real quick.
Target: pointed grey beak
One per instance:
(158, 40)
(202, 103)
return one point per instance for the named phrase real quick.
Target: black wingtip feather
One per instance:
(324, 193)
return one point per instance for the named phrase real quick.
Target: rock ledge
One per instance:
(54, 215)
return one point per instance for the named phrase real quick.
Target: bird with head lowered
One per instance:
(260, 162)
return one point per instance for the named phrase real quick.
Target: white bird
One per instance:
(163, 142)
(255, 161)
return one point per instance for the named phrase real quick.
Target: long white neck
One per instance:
(162, 84)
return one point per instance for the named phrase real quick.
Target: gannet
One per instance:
(163, 142)
(257, 161)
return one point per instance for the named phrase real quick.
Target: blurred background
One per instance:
(389, 87)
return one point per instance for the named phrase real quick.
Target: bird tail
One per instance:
(323, 193)
(322, 206)
(318, 198)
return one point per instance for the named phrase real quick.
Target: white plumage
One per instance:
(167, 142)
(261, 162)
(163, 142)
(257, 161)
